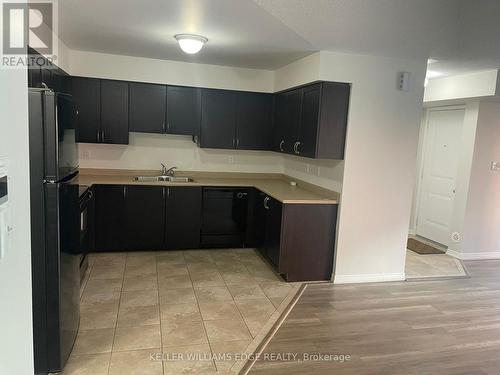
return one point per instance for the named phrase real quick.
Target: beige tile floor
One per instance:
(195, 302)
(432, 266)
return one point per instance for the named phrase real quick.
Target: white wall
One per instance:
(379, 167)
(147, 151)
(16, 339)
(100, 65)
(463, 86)
(482, 217)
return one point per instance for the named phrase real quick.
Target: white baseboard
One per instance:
(473, 256)
(370, 278)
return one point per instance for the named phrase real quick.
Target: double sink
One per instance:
(163, 179)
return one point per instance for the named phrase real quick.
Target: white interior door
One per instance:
(441, 152)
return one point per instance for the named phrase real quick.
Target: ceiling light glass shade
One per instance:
(191, 43)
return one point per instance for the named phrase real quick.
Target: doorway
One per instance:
(440, 153)
(439, 166)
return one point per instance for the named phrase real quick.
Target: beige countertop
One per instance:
(276, 186)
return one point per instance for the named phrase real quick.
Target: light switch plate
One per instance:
(495, 166)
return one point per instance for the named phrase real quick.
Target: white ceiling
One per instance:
(462, 34)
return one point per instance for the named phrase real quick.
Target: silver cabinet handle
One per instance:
(124, 192)
(237, 142)
(168, 192)
(296, 147)
(281, 145)
(102, 135)
(98, 136)
(168, 125)
(266, 201)
(163, 125)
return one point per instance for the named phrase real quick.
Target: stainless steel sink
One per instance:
(163, 178)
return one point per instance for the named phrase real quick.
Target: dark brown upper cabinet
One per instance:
(147, 107)
(254, 121)
(218, 119)
(311, 121)
(236, 120)
(183, 110)
(288, 110)
(114, 112)
(87, 97)
(102, 107)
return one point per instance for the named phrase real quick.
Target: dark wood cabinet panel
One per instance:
(308, 241)
(87, 96)
(147, 107)
(183, 110)
(254, 123)
(114, 112)
(144, 217)
(306, 142)
(110, 218)
(289, 106)
(333, 120)
(273, 232)
(218, 119)
(183, 217)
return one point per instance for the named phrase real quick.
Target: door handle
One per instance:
(281, 145)
(266, 201)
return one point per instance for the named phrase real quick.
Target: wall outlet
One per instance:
(495, 166)
(230, 159)
(87, 154)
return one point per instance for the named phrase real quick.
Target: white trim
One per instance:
(369, 278)
(473, 256)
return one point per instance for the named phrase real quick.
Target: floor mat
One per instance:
(422, 248)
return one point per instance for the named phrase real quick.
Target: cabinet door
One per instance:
(273, 232)
(114, 112)
(183, 217)
(259, 218)
(309, 122)
(145, 217)
(110, 218)
(183, 110)
(288, 120)
(254, 124)
(87, 97)
(147, 108)
(218, 119)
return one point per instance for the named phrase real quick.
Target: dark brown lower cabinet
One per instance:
(137, 217)
(110, 233)
(183, 217)
(144, 217)
(297, 239)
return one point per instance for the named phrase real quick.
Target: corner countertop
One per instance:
(275, 185)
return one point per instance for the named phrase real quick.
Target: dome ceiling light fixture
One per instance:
(190, 43)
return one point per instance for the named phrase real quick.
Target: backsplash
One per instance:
(147, 151)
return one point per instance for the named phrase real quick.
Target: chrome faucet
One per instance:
(167, 172)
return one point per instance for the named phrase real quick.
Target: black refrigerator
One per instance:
(55, 223)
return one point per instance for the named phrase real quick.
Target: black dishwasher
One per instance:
(224, 217)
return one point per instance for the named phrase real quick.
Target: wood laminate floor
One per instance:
(428, 327)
